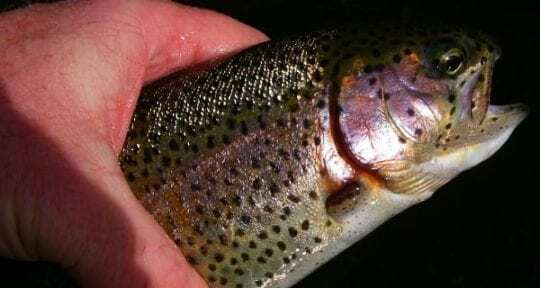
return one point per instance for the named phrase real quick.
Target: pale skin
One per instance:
(70, 75)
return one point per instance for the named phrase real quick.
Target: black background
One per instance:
(480, 230)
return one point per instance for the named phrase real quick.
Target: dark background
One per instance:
(480, 230)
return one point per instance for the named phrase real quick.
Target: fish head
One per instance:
(416, 112)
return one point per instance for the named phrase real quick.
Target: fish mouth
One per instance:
(512, 115)
(499, 123)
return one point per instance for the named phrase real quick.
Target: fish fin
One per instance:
(405, 178)
(346, 199)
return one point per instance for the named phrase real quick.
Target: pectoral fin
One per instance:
(403, 178)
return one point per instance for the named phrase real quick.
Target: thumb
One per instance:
(63, 197)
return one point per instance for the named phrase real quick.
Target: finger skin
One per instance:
(70, 74)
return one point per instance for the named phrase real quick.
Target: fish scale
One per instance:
(235, 234)
(264, 166)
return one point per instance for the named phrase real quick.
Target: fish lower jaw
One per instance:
(469, 156)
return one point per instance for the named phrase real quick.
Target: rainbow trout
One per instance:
(266, 165)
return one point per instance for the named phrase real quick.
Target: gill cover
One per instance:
(378, 117)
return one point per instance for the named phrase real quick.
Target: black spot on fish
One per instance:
(293, 232)
(243, 127)
(173, 145)
(223, 240)
(223, 281)
(306, 124)
(293, 198)
(165, 161)
(252, 245)
(284, 154)
(287, 210)
(231, 124)
(147, 155)
(256, 184)
(305, 225)
(325, 48)
(210, 142)
(195, 187)
(379, 67)
(226, 140)
(269, 252)
(191, 260)
(281, 123)
(368, 69)
(274, 189)
(294, 107)
(239, 271)
(245, 219)
(324, 63)
(317, 77)
(263, 235)
(194, 148)
(204, 250)
(145, 173)
(268, 209)
(321, 104)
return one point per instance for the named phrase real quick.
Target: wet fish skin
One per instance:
(265, 166)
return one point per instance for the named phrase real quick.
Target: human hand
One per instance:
(70, 74)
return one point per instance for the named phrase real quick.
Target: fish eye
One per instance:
(451, 62)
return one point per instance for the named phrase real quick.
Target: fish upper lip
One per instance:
(508, 109)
